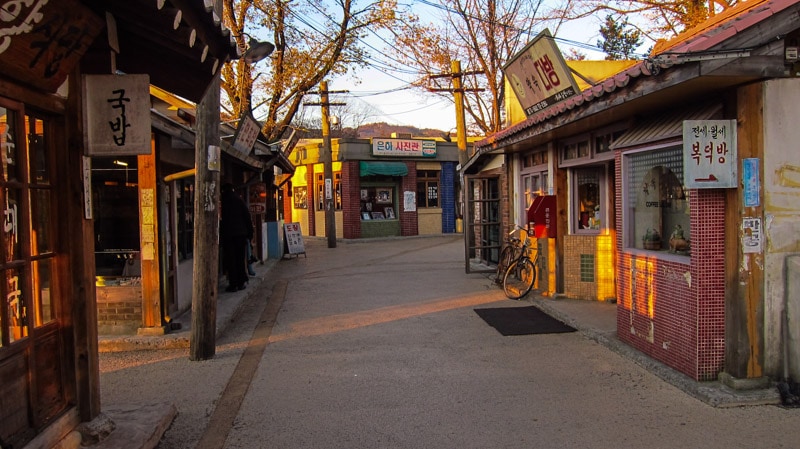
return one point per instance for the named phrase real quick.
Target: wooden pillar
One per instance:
(148, 242)
(77, 238)
(202, 344)
(744, 298)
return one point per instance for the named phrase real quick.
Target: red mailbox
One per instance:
(542, 216)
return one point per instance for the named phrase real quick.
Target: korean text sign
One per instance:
(539, 75)
(709, 154)
(116, 114)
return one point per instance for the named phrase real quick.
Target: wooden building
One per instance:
(57, 59)
(676, 195)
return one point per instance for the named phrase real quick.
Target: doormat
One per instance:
(522, 321)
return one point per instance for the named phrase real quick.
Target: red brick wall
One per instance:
(351, 200)
(673, 310)
(408, 220)
(312, 200)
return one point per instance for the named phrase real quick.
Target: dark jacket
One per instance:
(235, 217)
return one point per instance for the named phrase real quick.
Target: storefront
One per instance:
(381, 188)
(49, 376)
(672, 194)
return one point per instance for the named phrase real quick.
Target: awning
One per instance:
(668, 125)
(369, 168)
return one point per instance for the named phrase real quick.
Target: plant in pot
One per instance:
(651, 239)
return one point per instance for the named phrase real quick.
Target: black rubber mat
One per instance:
(522, 321)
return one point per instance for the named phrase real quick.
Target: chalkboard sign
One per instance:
(294, 239)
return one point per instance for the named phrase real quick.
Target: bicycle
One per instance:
(521, 274)
(509, 253)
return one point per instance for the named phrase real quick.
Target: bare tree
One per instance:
(662, 19)
(311, 43)
(483, 35)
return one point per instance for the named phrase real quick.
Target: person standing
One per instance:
(236, 230)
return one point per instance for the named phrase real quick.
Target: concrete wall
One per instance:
(781, 196)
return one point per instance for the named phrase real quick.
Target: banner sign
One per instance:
(116, 114)
(709, 154)
(403, 147)
(539, 75)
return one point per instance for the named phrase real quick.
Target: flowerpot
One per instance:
(652, 244)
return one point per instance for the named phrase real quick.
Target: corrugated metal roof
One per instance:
(668, 125)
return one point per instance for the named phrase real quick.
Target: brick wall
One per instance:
(119, 309)
(408, 220)
(312, 201)
(351, 200)
(672, 309)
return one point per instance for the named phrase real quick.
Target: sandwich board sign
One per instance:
(294, 239)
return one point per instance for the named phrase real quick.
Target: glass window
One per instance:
(28, 244)
(115, 199)
(427, 188)
(588, 205)
(377, 203)
(337, 188)
(657, 203)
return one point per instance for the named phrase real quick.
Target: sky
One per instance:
(392, 103)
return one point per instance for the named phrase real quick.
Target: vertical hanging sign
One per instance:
(116, 114)
(709, 154)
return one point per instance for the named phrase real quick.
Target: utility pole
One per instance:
(458, 94)
(202, 344)
(327, 161)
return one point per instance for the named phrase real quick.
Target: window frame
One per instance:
(602, 199)
(628, 220)
(427, 181)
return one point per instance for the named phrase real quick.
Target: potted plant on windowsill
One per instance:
(651, 239)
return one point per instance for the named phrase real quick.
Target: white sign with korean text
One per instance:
(294, 238)
(751, 235)
(709, 154)
(403, 147)
(246, 133)
(539, 75)
(116, 114)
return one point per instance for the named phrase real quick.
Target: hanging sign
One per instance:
(41, 40)
(246, 133)
(709, 154)
(539, 75)
(116, 114)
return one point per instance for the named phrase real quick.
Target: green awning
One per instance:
(369, 168)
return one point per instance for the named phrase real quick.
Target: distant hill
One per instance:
(383, 129)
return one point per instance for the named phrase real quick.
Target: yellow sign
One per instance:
(539, 75)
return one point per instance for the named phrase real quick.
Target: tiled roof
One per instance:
(703, 37)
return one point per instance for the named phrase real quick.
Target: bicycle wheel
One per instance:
(506, 257)
(519, 277)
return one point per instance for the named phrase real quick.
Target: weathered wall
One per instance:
(781, 194)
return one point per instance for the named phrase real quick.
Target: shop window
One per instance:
(337, 191)
(377, 203)
(657, 206)
(28, 249)
(115, 197)
(427, 188)
(588, 205)
(184, 189)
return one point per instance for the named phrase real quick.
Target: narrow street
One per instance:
(376, 345)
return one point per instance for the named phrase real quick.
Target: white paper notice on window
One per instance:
(709, 154)
(751, 235)
(409, 201)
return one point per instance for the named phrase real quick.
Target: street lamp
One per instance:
(257, 50)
